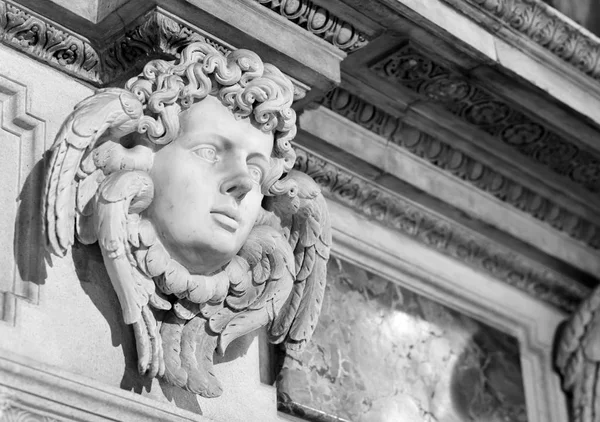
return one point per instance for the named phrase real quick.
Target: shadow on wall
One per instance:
(29, 243)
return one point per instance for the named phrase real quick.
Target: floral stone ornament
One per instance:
(185, 180)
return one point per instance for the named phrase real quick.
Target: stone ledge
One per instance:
(52, 393)
(156, 34)
(440, 233)
(459, 164)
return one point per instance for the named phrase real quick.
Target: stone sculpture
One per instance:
(578, 359)
(185, 180)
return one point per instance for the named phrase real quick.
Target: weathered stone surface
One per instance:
(383, 353)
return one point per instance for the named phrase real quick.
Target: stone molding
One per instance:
(543, 26)
(16, 120)
(320, 22)
(46, 394)
(461, 165)
(11, 412)
(414, 69)
(156, 34)
(48, 42)
(439, 233)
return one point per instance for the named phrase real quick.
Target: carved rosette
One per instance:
(413, 69)
(461, 165)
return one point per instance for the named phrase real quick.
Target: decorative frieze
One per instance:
(461, 165)
(441, 234)
(319, 21)
(544, 26)
(413, 69)
(157, 34)
(48, 42)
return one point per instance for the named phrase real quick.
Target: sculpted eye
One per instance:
(207, 152)
(255, 173)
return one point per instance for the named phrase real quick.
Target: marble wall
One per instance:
(382, 353)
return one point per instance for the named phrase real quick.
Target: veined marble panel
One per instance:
(382, 353)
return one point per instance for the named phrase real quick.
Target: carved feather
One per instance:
(578, 359)
(310, 238)
(109, 110)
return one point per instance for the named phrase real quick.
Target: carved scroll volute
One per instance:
(188, 241)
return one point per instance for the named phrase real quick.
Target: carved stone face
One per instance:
(207, 186)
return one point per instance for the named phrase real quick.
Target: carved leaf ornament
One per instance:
(98, 189)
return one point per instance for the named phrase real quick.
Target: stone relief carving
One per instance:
(415, 70)
(53, 44)
(461, 165)
(320, 22)
(544, 26)
(439, 233)
(185, 180)
(578, 359)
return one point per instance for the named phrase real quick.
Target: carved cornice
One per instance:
(436, 232)
(544, 26)
(320, 22)
(461, 165)
(157, 34)
(413, 69)
(48, 42)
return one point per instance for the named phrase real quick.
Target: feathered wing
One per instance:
(73, 177)
(578, 359)
(95, 189)
(308, 228)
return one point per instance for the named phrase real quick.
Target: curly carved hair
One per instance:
(243, 83)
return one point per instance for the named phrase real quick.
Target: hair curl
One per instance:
(243, 83)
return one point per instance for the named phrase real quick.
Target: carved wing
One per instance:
(95, 184)
(306, 223)
(578, 359)
(73, 175)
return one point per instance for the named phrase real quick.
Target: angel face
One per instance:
(207, 186)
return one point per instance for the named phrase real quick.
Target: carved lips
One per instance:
(226, 217)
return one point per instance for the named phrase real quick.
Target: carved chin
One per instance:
(203, 259)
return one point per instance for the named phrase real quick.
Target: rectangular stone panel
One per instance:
(383, 353)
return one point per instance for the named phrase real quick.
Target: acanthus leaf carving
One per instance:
(413, 69)
(463, 166)
(440, 234)
(157, 34)
(538, 22)
(55, 45)
(179, 217)
(320, 22)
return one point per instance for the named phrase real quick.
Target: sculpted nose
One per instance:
(238, 186)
